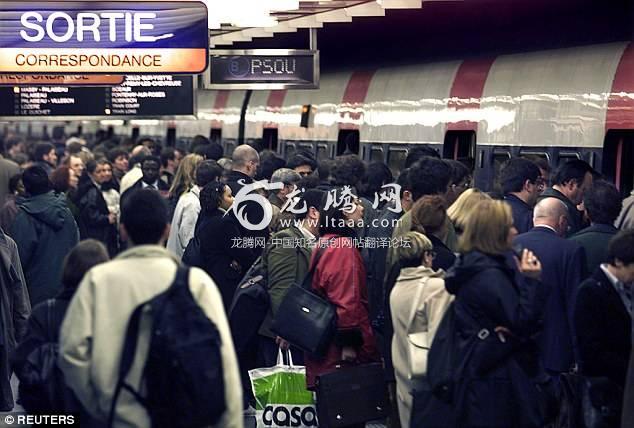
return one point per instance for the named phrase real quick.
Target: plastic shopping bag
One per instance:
(281, 397)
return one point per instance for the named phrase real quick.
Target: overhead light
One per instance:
(366, 9)
(246, 13)
(400, 4)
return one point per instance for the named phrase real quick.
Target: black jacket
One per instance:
(563, 265)
(487, 296)
(253, 211)
(595, 240)
(93, 218)
(163, 188)
(445, 258)
(220, 248)
(604, 329)
(575, 217)
(522, 213)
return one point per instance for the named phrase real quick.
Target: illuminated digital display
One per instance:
(264, 69)
(103, 37)
(138, 96)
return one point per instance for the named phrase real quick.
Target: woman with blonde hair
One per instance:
(417, 303)
(184, 179)
(496, 318)
(460, 210)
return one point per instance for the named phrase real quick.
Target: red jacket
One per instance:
(340, 277)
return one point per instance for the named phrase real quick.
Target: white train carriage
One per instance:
(557, 104)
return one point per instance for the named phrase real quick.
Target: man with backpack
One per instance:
(147, 343)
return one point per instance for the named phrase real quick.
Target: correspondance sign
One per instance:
(103, 37)
(61, 79)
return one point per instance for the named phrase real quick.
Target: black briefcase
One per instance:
(305, 319)
(352, 395)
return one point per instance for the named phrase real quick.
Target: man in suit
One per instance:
(150, 167)
(563, 263)
(521, 184)
(603, 314)
(602, 203)
(569, 184)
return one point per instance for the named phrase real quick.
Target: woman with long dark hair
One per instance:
(224, 257)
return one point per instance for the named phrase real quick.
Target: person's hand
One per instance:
(282, 343)
(112, 218)
(529, 265)
(348, 353)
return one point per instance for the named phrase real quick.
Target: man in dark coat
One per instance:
(245, 162)
(45, 231)
(602, 203)
(150, 167)
(569, 184)
(14, 312)
(521, 184)
(8, 169)
(563, 263)
(603, 316)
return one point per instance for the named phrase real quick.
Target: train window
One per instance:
(348, 142)
(567, 156)
(135, 133)
(460, 145)
(170, 138)
(322, 151)
(307, 147)
(376, 153)
(618, 159)
(229, 146)
(269, 139)
(290, 150)
(500, 158)
(215, 135)
(396, 160)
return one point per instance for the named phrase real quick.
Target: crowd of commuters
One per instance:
(540, 271)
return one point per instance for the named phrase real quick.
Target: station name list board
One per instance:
(137, 96)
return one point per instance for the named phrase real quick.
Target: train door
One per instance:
(215, 135)
(348, 142)
(460, 146)
(269, 139)
(618, 160)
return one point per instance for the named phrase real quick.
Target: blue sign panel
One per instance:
(103, 37)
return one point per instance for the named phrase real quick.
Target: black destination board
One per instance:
(137, 96)
(264, 69)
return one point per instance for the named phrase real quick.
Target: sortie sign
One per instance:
(103, 37)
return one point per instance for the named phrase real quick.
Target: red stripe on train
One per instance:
(220, 103)
(274, 104)
(620, 114)
(467, 90)
(351, 110)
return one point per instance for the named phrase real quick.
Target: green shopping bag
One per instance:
(281, 397)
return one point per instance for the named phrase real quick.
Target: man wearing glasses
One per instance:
(521, 183)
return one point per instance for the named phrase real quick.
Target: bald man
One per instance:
(563, 264)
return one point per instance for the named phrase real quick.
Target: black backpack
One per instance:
(183, 373)
(251, 303)
(42, 388)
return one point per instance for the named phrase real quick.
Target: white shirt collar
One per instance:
(306, 232)
(613, 279)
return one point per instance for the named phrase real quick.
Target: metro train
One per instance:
(556, 104)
